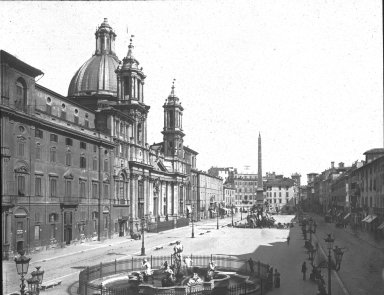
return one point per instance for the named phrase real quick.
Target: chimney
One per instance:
(341, 165)
(332, 165)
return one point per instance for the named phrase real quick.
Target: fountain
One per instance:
(155, 275)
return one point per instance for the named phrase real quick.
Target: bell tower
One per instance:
(173, 125)
(130, 95)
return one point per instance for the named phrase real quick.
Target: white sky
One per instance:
(306, 74)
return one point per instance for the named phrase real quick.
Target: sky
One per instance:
(305, 74)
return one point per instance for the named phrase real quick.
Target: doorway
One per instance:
(67, 227)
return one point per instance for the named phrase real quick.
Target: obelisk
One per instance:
(260, 190)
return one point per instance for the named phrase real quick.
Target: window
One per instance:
(274, 194)
(106, 191)
(94, 148)
(76, 119)
(68, 141)
(38, 152)
(106, 165)
(38, 133)
(86, 123)
(83, 162)
(94, 164)
(48, 109)
(37, 186)
(63, 115)
(94, 190)
(52, 155)
(37, 232)
(279, 194)
(21, 185)
(68, 159)
(83, 145)
(279, 200)
(53, 187)
(20, 148)
(68, 188)
(53, 217)
(82, 189)
(21, 95)
(286, 194)
(54, 137)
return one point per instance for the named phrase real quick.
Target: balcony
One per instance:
(9, 200)
(120, 203)
(69, 201)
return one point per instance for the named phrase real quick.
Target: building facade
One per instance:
(209, 195)
(81, 166)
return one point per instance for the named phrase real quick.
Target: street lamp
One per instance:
(217, 214)
(38, 275)
(232, 213)
(193, 229)
(22, 264)
(33, 286)
(329, 240)
(142, 236)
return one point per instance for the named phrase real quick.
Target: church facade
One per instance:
(80, 165)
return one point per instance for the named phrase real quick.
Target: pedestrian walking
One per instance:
(277, 279)
(288, 239)
(251, 265)
(304, 270)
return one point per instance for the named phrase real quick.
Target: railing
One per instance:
(88, 277)
(69, 201)
(121, 202)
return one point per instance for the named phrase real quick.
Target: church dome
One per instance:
(97, 75)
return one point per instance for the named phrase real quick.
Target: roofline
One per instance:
(17, 63)
(65, 98)
(190, 150)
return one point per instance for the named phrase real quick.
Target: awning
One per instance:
(381, 226)
(369, 218)
(346, 216)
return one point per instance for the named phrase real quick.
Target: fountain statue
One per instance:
(195, 280)
(177, 257)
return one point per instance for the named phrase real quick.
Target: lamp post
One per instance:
(22, 264)
(33, 286)
(142, 236)
(193, 228)
(232, 213)
(38, 275)
(329, 240)
(217, 215)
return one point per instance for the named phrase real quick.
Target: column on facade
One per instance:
(133, 195)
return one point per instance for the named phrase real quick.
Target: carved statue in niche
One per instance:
(156, 187)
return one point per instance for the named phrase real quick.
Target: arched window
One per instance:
(122, 187)
(21, 95)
